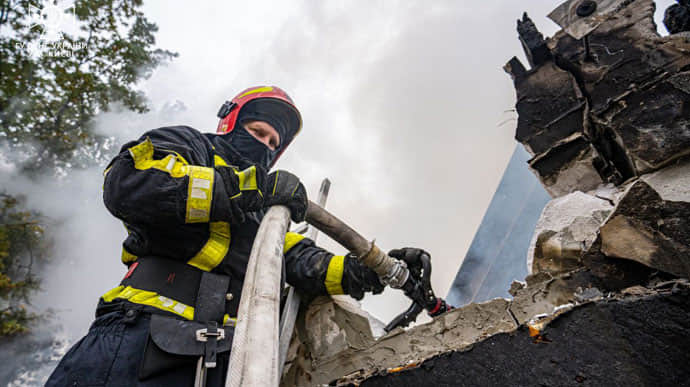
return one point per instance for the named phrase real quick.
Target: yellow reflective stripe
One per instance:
(142, 154)
(219, 162)
(247, 179)
(200, 186)
(200, 194)
(215, 248)
(254, 91)
(275, 182)
(145, 297)
(128, 257)
(334, 275)
(291, 239)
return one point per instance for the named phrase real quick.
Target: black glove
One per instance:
(282, 187)
(357, 279)
(244, 188)
(412, 257)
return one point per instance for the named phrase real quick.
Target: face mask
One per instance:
(250, 148)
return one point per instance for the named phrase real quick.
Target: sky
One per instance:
(406, 110)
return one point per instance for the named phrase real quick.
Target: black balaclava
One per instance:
(275, 112)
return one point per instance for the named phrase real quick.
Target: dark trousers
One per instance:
(112, 351)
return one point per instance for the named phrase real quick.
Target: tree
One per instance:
(50, 91)
(22, 245)
(52, 86)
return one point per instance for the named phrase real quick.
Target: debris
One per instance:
(603, 112)
(630, 341)
(650, 230)
(532, 42)
(578, 18)
(567, 228)
(610, 111)
(677, 17)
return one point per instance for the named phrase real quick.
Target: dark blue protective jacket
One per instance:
(168, 189)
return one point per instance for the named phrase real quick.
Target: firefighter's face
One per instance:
(264, 132)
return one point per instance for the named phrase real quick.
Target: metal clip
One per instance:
(397, 275)
(203, 334)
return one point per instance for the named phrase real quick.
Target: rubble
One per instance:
(677, 17)
(567, 228)
(604, 114)
(650, 229)
(537, 307)
(606, 108)
(455, 329)
(632, 339)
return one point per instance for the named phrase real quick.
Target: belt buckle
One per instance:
(203, 334)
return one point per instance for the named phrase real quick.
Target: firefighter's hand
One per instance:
(412, 257)
(358, 279)
(282, 187)
(243, 188)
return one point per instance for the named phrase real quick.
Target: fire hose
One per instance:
(414, 281)
(254, 358)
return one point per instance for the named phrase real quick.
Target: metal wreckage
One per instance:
(604, 113)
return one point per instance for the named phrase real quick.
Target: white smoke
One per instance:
(400, 101)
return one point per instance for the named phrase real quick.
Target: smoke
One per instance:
(401, 104)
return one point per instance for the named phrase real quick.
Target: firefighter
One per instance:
(192, 203)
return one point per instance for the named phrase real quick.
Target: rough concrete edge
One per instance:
(537, 327)
(458, 329)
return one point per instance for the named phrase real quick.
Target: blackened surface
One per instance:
(622, 56)
(614, 273)
(617, 167)
(532, 41)
(632, 89)
(550, 107)
(655, 123)
(667, 222)
(559, 156)
(635, 342)
(677, 17)
(498, 251)
(515, 68)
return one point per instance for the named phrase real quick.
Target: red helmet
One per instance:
(230, 111)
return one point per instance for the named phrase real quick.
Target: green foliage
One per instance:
(48, 101)
(22, 246)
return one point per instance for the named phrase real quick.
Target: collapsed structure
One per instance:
(604, 111)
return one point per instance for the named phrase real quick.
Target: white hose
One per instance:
(254, 356)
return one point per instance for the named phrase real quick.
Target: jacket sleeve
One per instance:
(314, 270)
(163, 178)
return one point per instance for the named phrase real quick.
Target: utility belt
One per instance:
(201, 298)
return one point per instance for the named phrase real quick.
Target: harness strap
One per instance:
(182, 283)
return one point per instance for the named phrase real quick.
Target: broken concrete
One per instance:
(570, 166)
(605, 111)
(458, 328)
(567, 228)
(653, 124)
(637, 338)
(532, 42)
(333, 344)
(613, 102)
(551, 108)
(652, 229)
